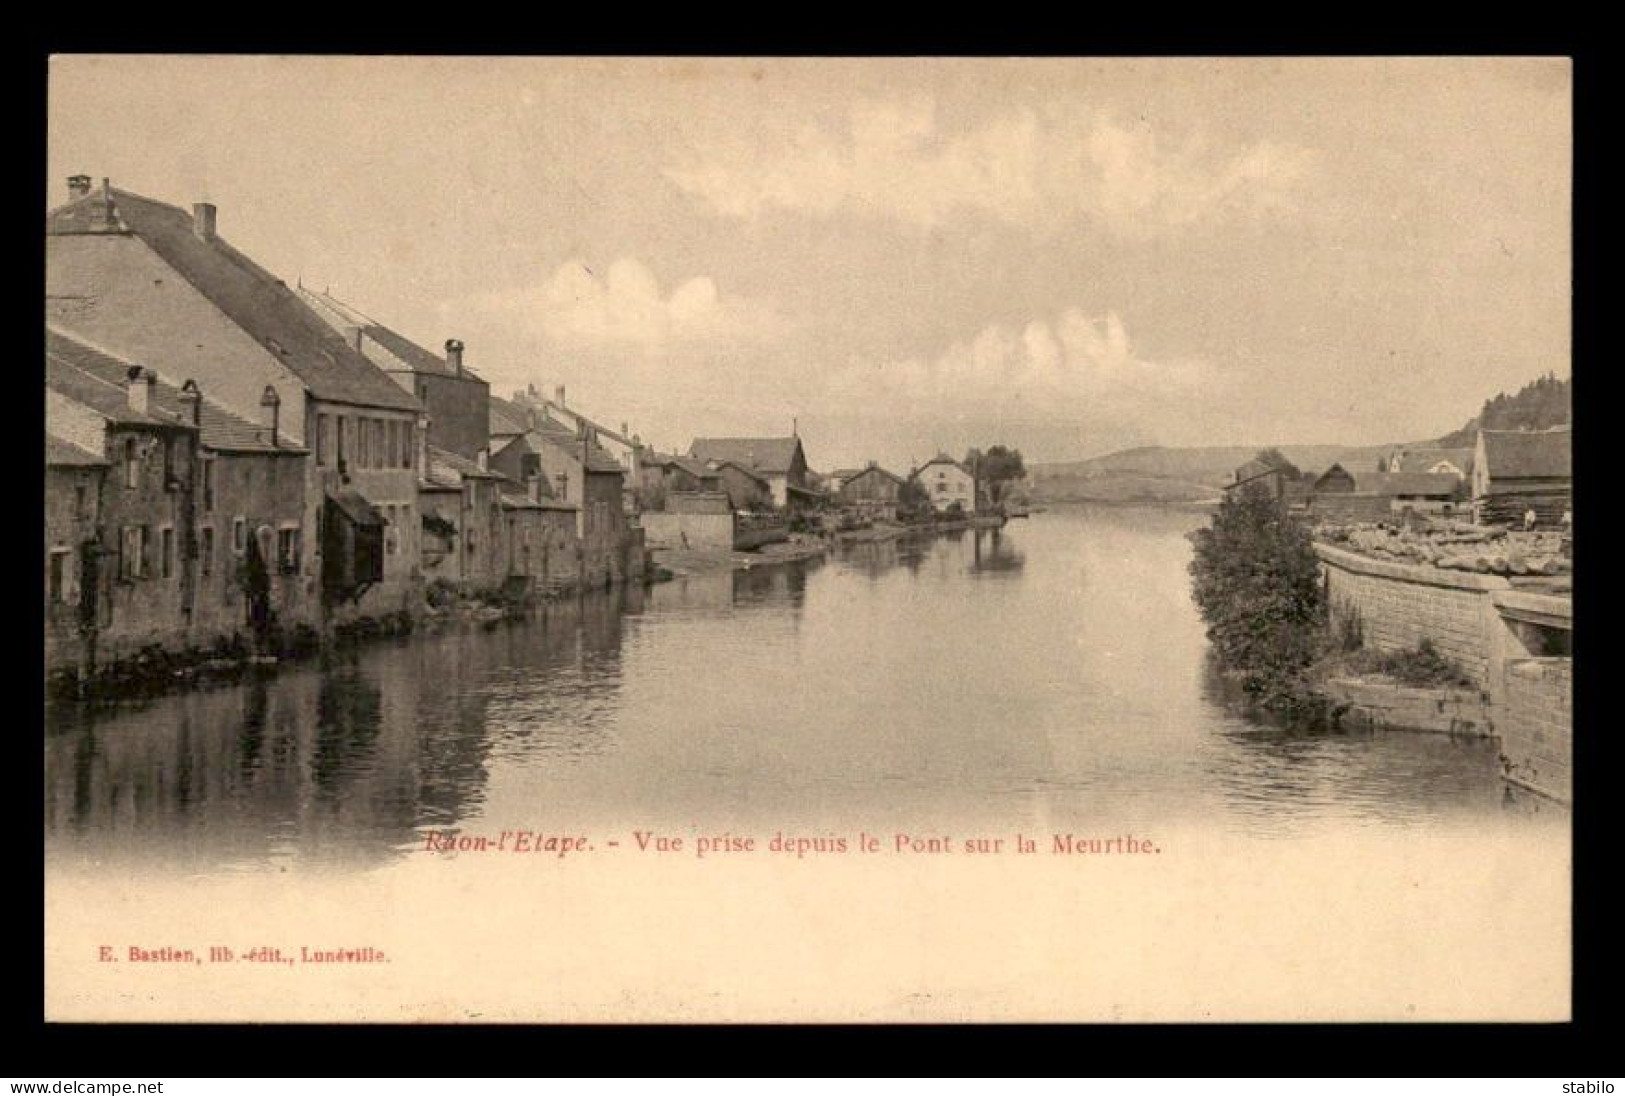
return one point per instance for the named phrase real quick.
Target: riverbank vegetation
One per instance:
(1422, 666)
(1256, 580)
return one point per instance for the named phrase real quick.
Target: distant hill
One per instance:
(1540, 404)
(1157, 473)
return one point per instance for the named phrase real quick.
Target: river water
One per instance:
(1050, 676)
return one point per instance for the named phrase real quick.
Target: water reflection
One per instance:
(996, 554)
(1048, 675)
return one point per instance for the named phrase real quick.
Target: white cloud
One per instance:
(623, 306)
(1074, 368)
(1027, 168)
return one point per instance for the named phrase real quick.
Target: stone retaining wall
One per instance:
(1537, 732)
(1400, 604)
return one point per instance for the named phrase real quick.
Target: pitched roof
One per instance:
(695, 467)
(699, 467)
(1404, 483)
(773, 456)
(98, 379)
(875, 468)
(940, 458)
(445, 465)
(543, 405)
(518, 500)
(1335, 471)
(111, 402)
(339, 315)
(250, 296)
(598, 459)
(1423, 460)
(513, 419)
(721, 464)
(1256, 469)
(65, 454)
(1518, 454)
(506, 419)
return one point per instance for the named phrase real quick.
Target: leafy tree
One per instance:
(1539, 405)
(1256, 580)
(1277, 459)
(911, 497)
(997, 470)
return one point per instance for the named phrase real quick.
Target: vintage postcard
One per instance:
(725, 539)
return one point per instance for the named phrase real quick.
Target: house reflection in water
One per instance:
(373, 744)
(992, 553)
(778, 585)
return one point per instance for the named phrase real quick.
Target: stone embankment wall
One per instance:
(1399, 604)
(665, 530)
(1499, 635)
(1537, 733)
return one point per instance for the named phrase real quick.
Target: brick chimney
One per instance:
(138, 384)
(454, 356)
(558, 395)
(273, 405)
(106, 217)
(203, 220)
(191, 394)
(78, 186)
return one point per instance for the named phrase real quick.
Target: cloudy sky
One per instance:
(903, 255)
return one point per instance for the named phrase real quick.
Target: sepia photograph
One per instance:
(738, 540)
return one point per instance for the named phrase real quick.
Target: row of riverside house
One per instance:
(236, 465)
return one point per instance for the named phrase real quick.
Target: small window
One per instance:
(287, 550)
(131, 546)
(167, 550)
(343, 442)
(132, 464)
(239, 535)
(324, 441)
(208, 485)
(205, 550)
(59, 575)
(81, 501)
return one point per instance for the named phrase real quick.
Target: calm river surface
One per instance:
(1049, 676)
